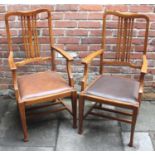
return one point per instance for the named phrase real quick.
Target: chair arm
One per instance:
(11, 61)
(144, 65)
(63, 53)
(143, 72)
(90, 57)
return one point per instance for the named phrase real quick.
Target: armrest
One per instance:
(144, 65)
(11, 61)
(89, 58)
(63, 53)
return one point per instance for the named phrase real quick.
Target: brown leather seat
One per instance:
(41, 84)
(116, 88)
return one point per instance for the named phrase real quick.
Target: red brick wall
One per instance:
(77, 29)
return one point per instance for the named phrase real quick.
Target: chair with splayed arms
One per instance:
(32, 89)
(120, 92)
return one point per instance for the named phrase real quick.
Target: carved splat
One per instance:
(30, 36)
(124, 38)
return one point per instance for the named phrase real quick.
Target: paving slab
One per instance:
(12, 148)
(142, 141)
(41, 133)
(152, 135)
(98, 135)
(4, 103)
(145, 121)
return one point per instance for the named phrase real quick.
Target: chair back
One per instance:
(120, 37)
(29, 39)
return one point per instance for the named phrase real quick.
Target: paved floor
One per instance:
(54, 132)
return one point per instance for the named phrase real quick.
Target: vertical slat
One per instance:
(38, 49)
(30, 36)
(124, 39)
(121, 38)
(118, 39)
(35, 36)
(130, 40)
(25, 37)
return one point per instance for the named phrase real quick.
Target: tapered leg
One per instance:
(23, 120)
(74, 109)
(81, 112)
(134, 119)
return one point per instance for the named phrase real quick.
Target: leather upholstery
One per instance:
(41, 84)
(115, 88)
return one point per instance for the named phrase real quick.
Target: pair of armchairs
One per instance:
(50, 86)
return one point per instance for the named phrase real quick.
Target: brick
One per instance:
(90, 7)
(151, 17)
(18, 7)
(50, 7)
(3, 33)
(67, 7)
(74, 47)
(111, 40)
(138, 41)
(141, 8)
(123, 8)
(95, 32)
(57, 16)
(58, 32)
(94, 47)
(66, 40)
(2, 8)
(2, 24)
(151, 70)
(44, 40)
(3, 41)
(65, 24)
(77, 32)
(14, 24)
(95, 16)
(42, 24)
(74, 16)
(140, 25)
(83, 54)
(111, 25)
(89, 24)
(152, 26)
(91, 41)
(2, 17)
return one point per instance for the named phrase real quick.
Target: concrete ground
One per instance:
(54, 132)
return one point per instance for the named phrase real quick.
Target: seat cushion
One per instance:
(41, 84)
(115, 88)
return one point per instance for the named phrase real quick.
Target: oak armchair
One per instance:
(31, 89)
(117, 91)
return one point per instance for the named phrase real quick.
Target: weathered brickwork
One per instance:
(77, 29)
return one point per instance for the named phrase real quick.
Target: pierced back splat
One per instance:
(124, 28)
(30, 36)
(29, 24)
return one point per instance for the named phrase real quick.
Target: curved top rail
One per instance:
(19, 13)
(126, 14)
